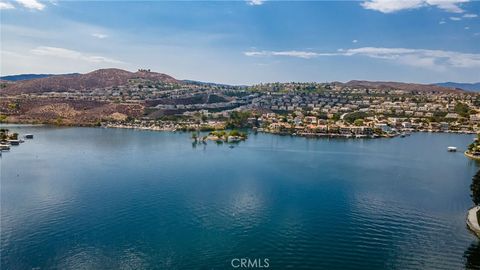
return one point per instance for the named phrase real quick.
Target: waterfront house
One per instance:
(384, 127)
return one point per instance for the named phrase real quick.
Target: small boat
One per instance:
(28, 136)
(4, 147)
(452, 149)
(403, 135)
(14, 142)
(233, 139)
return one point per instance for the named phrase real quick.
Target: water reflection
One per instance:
(472, 256)
(107, 199)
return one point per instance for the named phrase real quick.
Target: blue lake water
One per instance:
(94, 198)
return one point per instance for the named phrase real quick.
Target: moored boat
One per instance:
(452, 149)
(14, 142)
(4, 147)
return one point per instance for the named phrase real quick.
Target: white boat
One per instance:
(452, 149)
(4, 147)
(233, 139)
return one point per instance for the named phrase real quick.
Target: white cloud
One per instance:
(447, 5)
(31, 4)
(6, 5)
(99, 35)
(298, 54)
(455, 18)
(390, 6)
(71, 54)
(354, 41)
(432, 59)
(420, 57)
(255, 53)
(442, 22)
(255, 2)
(470, 15)
(467, 27)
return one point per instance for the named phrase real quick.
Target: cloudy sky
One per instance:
(244, 42)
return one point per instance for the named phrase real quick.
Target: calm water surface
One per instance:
(93, 198)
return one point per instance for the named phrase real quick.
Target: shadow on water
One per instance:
(472, 256)
(203, 144)
(472, 162)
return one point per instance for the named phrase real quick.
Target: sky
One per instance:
(247, 42)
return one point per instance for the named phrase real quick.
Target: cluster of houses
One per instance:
(375, 102)
(371, 126)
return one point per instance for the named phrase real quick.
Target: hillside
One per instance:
(83, 82)
(474, 87)
(412, 87)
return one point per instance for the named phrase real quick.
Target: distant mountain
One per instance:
(211, 84)
(474, 87)
(203, 83)
(412, 87)
(83, 82)
(23, 77)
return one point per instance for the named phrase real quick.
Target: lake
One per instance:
(95, 198)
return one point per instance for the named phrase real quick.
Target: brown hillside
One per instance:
(411, 87)
(83, 82)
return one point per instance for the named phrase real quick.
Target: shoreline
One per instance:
(471, 156)
(472, 220)
(307, 135)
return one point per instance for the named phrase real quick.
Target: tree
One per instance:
(351, 117)
(462, 109)
(475, 188)
(358, 122)
(13, 106)
(238, 119)
(234, 133)
(3, 134)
